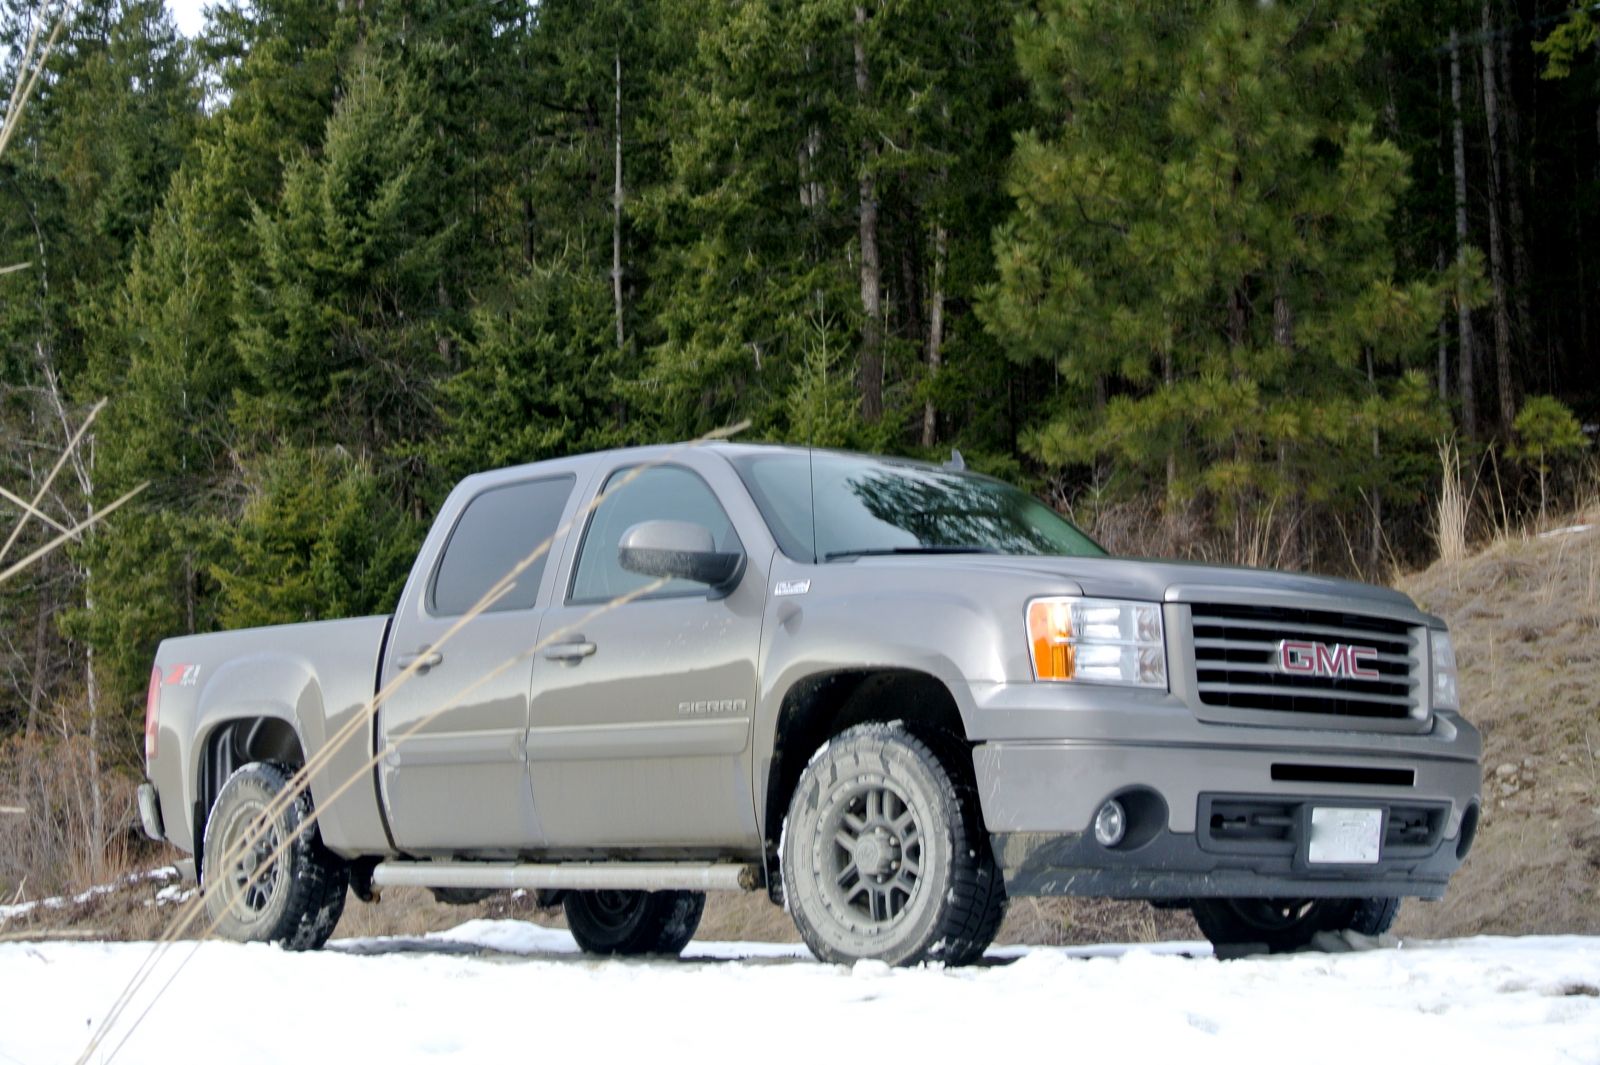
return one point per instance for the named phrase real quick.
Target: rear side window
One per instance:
(659, 493)
(498, 529)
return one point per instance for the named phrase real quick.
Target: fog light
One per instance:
(1110, 824)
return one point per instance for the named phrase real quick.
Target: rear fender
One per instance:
(264, 687)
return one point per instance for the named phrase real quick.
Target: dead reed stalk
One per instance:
(1453, 509)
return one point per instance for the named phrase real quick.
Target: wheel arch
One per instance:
(260, 734)
(821, 705)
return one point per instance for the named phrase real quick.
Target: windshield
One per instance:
(871, 506)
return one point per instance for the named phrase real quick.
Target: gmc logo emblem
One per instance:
(1326, 660)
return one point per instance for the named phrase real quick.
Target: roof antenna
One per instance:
(956, 462)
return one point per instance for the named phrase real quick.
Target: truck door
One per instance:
(455, 775)
(641, 716)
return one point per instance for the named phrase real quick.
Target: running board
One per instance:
(575, 876)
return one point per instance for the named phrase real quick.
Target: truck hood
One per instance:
(1165, 580)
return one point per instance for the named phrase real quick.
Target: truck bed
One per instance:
(314, 678)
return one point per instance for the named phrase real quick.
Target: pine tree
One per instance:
(530, 388)
(163, 345)
(832, 162)
(319, 539)
(112, 118)
(1200, 246)
(338, 318)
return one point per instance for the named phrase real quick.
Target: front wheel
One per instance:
(1289, 924)
(266, 880)
(884, 856)
(633, 922)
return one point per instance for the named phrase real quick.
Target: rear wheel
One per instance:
(265, 880)
(1289, 924)
(633, 922)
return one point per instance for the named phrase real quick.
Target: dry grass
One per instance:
(1525, 616)
(50, 847)
(126, 908)
(1450, 527)
(752, 918)
(132, 911)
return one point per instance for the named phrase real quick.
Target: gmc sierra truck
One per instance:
(890, 694)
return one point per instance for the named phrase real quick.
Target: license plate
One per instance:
(1345, 837)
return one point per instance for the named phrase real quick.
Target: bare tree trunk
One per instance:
(1283, 335)
(616, 200)
(1375, 546)
(1468, 355)
(871, 378)
(1282, 321)
(41, 655)
(1584, 341)
(83, 471)
(907, 308)
(1521, 263)
(1497, 265)
(810, 188)
(1444, 346)
(1168, 377)
(930, 413)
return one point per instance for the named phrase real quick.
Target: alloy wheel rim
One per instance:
(872, 854)
(614, 909)
(255, 876)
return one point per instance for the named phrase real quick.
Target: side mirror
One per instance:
(677, 549)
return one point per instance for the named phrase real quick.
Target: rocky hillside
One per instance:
(1525, 615)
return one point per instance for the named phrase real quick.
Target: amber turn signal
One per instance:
(1050, 632)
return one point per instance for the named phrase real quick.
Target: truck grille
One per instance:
(1236, 651)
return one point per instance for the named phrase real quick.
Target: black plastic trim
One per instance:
(1344, 774)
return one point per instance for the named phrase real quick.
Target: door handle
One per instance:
(423, 660)
(575, 649)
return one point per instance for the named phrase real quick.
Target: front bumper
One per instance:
(1210, 820)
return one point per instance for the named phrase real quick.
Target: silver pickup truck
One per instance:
(890, 694)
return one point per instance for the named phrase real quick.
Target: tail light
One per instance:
(152, 714)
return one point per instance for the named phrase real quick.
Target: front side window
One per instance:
(497, 530)
(656, 493)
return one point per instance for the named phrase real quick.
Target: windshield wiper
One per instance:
(917, 549)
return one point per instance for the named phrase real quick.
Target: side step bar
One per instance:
(577, 876)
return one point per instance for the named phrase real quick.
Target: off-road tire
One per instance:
(1290, 924)
(297, 901)
(633, 922)
(930, 889)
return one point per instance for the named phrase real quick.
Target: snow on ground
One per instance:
(507, 990)
(169, 894)
(1565, 531)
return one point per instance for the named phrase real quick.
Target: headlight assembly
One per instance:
(1101, 641)
(1445, 694)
